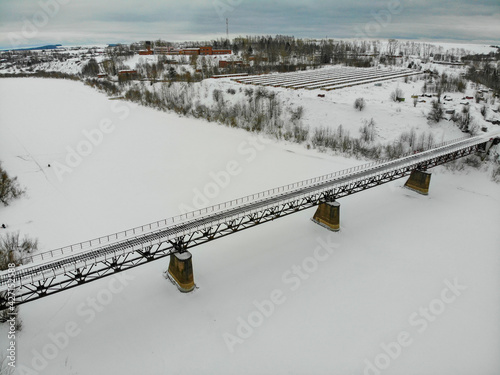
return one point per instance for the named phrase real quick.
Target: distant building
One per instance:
(225, 64)
(165, 51)
(200, 51)
(127, 74)
(211, 51)
(450, 63)
(253, 58)
(189, 51)
(148, 50)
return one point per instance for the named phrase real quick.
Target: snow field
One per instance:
(334, 310)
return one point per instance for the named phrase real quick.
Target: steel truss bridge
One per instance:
(65, 268)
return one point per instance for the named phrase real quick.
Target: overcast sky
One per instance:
(70, 22)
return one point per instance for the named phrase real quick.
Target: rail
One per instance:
(179, 219)
(314, 189)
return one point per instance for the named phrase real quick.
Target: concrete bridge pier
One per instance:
(180, 271)
(328, 215)
(484, 148)
(419, 181)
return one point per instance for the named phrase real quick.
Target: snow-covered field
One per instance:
(337, 107)
(409, 285)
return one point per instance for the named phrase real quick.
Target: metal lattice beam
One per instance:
(38, 281)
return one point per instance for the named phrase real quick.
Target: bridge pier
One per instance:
(484, 148)
(180, 271)
(419, 181)
(328, 215)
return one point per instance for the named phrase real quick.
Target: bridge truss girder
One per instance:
(88, 267)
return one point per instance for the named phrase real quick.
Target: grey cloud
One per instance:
(130, 20)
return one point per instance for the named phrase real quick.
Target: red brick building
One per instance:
(225, 64)
(211, 51)
(200, 51)
(147, 51)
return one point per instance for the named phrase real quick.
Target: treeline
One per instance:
(441, 83)
(285, 46)
(22, 59)
(260, 111)
(487, 74)
(164, 70)
(341, 141)
(483, 57)
(108, 87)
(286, 53)
(42, 74)
(30, 60)
(281, 48)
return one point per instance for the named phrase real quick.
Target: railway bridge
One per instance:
(60, 269)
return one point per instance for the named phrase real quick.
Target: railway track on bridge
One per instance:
(53, 274)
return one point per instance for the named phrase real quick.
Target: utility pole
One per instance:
(227, 28)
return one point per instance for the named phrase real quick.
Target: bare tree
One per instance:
(9, 187)
(396, 94)
(13, 249)
(359, 104)
(478, 96)
(436, 112)
(464, 119)
(483, 110)
(368, 131)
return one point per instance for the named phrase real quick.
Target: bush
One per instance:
(474, 129)
(368, 131)
(9, 187)
(473, 161)
(359, 104)
(495, 175)
(436, 112)
(464, 119)
(106, 86)
(300, 133)
(13, 249)
(42, 74)
(297, 114)
(5, 315)
(396, 94)
(91, 68)
(483, 110)
(478, 97)
(217, 95)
